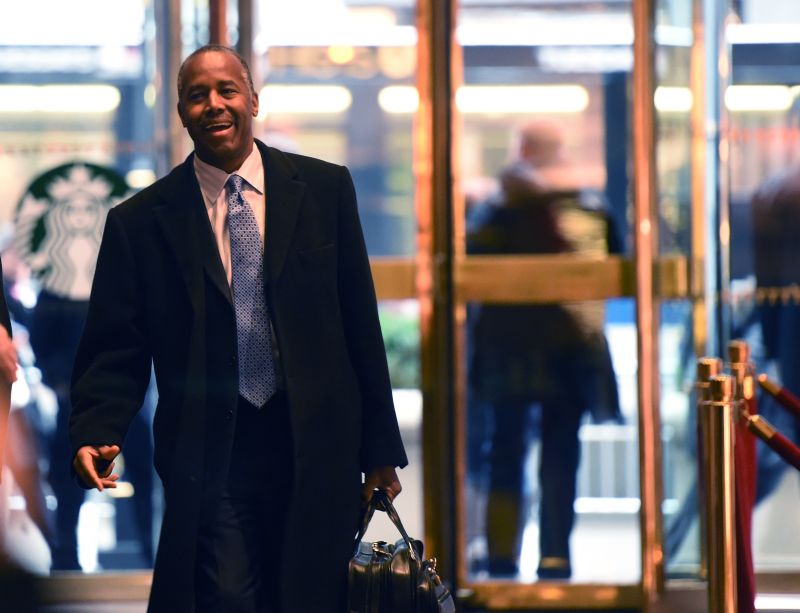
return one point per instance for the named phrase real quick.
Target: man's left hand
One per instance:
(384, 478)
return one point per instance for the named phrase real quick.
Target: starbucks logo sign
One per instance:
(59, 224)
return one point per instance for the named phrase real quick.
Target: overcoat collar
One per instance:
(184, 221)
(185, 224)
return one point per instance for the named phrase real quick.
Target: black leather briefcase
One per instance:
(393, 578)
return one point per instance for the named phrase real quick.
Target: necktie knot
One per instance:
(236, 200)
(235, 183)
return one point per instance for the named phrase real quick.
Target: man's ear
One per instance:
(180, 114)
(255, 104)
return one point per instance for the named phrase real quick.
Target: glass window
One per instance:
(341, 87)
(77, 104)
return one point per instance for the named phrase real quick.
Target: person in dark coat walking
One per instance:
(274, 393)
(550, 357)
(18, 587)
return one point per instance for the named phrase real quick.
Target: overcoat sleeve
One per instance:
(381, 444)
(112, 365)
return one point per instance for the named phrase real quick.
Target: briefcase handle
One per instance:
(380, 501)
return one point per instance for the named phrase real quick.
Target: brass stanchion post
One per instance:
(717, 417)
(707, 367)
(745, 461)
(742, 371)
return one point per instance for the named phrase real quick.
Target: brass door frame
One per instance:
(645, 237)
(446, 279)
(438, 64)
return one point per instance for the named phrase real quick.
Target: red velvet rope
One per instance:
(767, 433)
(785, 448)
(786, 398)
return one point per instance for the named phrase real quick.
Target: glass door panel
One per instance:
(77, 135)
(547, 346)
(673, 105)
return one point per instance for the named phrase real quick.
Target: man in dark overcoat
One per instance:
(262, 500)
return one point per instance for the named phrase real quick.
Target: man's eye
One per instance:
(194, 96)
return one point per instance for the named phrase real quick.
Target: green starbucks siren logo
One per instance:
(59, 224)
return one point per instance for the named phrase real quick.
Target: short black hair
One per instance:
(248, 77)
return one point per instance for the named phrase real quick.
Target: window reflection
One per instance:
(76, 137)
(341, 88)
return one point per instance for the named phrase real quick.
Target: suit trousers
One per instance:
(240, 543)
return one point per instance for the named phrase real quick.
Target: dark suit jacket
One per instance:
(157, 274)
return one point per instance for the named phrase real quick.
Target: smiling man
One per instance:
(244, 277)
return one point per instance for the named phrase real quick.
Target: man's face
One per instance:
(217, 109)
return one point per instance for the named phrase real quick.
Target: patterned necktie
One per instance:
(257, 381)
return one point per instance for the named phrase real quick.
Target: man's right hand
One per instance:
(94, 465)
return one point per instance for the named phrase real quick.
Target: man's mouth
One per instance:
(220, 126)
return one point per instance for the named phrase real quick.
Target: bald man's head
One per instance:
(246, 74)
(540, 143)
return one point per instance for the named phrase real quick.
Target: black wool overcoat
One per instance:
(157, 272)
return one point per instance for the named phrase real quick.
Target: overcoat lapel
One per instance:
(185, 224)
(284, 196)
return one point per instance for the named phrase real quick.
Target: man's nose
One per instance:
(214, 102)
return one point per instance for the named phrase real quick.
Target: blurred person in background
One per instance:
(24, 433)
(776, 226)
(536, 370)
(17, 587)
(8, 371)
(58, 228)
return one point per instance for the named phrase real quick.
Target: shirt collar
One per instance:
(212, 179)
